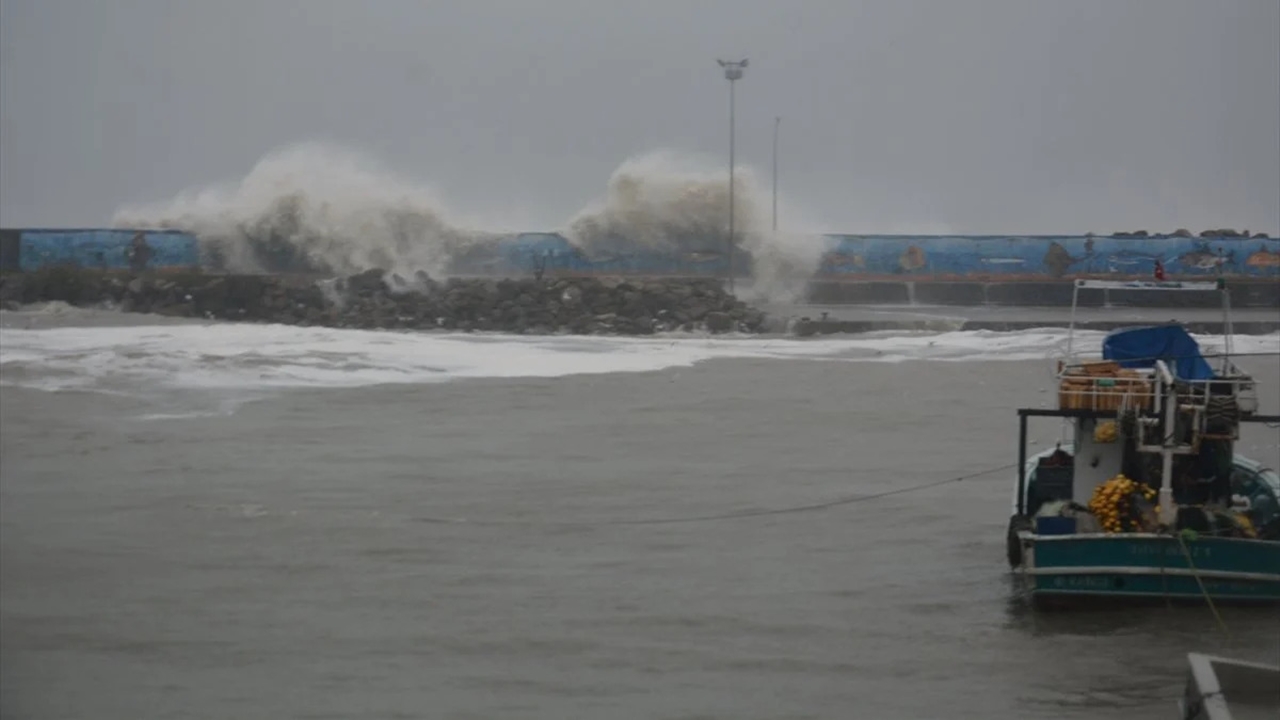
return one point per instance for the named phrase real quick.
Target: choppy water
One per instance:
(249, 522)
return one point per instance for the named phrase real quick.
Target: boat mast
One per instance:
(1167, 514)
(1071, 327)
(1227, 330)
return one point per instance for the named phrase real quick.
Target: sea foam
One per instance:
(231, 357)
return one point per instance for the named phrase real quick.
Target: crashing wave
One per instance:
(314, 207)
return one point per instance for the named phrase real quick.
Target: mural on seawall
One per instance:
(553, 254)
(1006, 257)
(843, 257)
(919, 257)
(107, 249)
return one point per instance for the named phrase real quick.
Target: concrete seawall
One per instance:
(807, 328)
(812, 320)
(1244, 292)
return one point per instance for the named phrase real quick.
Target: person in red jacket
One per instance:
(1159, 270)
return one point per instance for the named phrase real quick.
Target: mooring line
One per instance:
(740, 514)
(1195, 572)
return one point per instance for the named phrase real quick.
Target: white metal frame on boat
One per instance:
(1165, 385)
(1167, 285)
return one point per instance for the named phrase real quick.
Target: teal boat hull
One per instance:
(1135, 566)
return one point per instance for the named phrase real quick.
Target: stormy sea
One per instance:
(257, 521)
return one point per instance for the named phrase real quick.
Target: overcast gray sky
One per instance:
(1001, 116)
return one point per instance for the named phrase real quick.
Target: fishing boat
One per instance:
(1218, 688)
(1147, 499)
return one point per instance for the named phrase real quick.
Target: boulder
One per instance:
(1221, 232)
(367, 300)
(12, 287)
(366, 283)
(718, 322)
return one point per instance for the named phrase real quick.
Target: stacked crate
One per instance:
(1103, 385)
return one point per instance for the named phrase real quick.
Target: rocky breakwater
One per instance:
(374, 300)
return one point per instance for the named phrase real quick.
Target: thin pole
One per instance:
(731, 238)
(776, 122)
(1071, 327)
(1227, 330)
(732, 72)
(1022, 464)
(1168, 511)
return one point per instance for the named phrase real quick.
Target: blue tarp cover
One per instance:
(1141, 347)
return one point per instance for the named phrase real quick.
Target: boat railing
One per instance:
(1239, 393)
(1105, 385)
(1231, 391)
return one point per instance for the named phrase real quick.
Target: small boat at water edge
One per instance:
(1219, 688)
(1150, 502)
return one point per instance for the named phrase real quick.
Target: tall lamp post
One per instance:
(777, 122)
(732, 72)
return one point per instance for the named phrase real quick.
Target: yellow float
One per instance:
(1112, 502)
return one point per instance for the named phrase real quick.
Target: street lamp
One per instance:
(777, 122)
(732, 72)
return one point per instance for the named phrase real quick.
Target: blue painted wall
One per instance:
(843, 256)
(170, 249)
(521, 254)
(878, 256)
(1051, 256)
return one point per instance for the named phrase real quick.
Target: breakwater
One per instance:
(373, 299)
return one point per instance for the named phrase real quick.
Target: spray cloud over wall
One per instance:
(335, 210)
